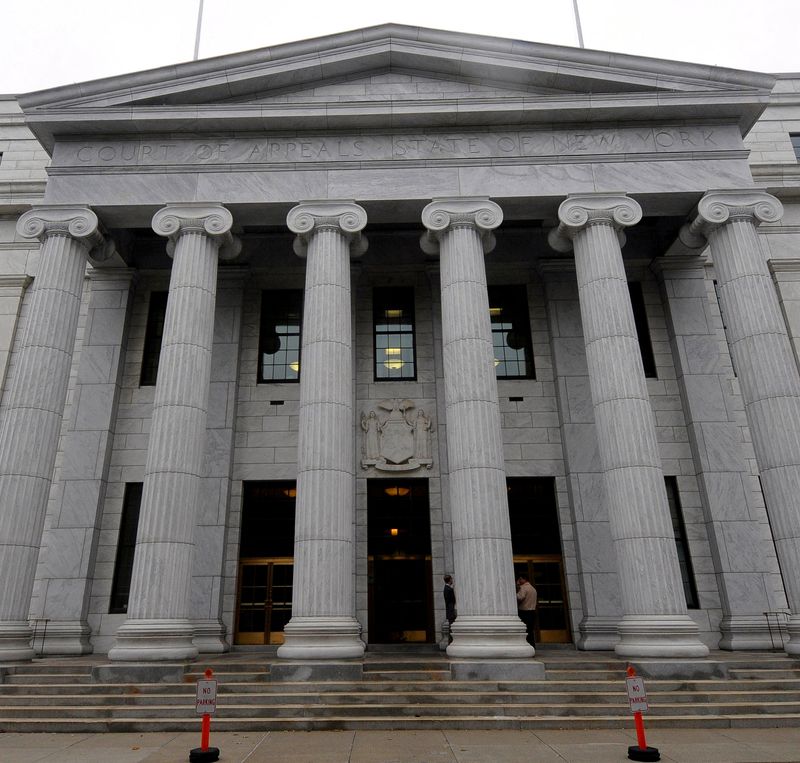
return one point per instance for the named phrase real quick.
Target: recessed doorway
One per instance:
(266, 562)
(536, 543)
(399, 557)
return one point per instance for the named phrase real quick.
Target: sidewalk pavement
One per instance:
(594, 746)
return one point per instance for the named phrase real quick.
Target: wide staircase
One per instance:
(400, 690)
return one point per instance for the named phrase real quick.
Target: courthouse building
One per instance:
(288, 335)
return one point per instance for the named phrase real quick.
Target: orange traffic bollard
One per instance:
(205, 703)
(638, 702)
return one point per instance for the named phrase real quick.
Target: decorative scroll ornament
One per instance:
(580, 211)
(212, 220)
(345, 217)
(79, 223)
(717, 208)
(398, 441)
(441, 215)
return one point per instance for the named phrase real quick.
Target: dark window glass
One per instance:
(268, 519)
(279, 338)
(393, 330)
(681, 543)
(153, 336)
(533, 515)
(126, 546)
(511, 332)
(642, 329)
(796, 145)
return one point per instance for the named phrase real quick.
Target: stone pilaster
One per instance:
(596, 560)
(30, 428)
(655, 622)
(460, 231)
(70, 543)
(158, 625)
(764, 362)
(323, 624)
(738, 545)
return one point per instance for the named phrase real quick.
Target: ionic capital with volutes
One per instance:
(443, 215)
(581, 211)
(212, 220)
(717, 208)
(310, 217)
(79, 223)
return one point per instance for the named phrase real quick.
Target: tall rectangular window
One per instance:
(681, 543)
(796, 144)
(393, 332)
(642, 329)
(154, 334)
(126, 546)
(279, 337)
(511, 332)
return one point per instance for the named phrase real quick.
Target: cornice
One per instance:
(740, 107)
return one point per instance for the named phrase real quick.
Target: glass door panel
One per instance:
(265, 601)
(552, 614)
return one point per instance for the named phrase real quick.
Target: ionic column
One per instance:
(655, 622)
(323, 624)
(460, 231)
(767, 371)
(32, 421)
(158, 626)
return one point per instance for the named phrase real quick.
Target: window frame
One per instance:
(516, 300)
(381, 303)
(153, 337)
(645, 340)
(681, 542)
(293, 300)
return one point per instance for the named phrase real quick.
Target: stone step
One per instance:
(463, 712)
(256, 724)
(23, 679)
(407, 675)
(184, 700)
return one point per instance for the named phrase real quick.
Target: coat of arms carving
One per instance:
(396, 439)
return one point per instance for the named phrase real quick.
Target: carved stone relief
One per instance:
(396, 439)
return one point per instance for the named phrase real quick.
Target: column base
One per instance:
(745, 632)
(209, 637)
(154, 640)
(489, 637)
(598, 633)
(64, 637)
(322, 638)
(15, 641)
(659, 636)
(792, 647)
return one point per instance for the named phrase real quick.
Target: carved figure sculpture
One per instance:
(370, 447)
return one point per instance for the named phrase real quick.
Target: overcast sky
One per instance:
(47, 43)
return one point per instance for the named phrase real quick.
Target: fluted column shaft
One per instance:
(487, 624)
(32, 421)
(655, 622)
(323, 623)
(762, 353)
(158, 626)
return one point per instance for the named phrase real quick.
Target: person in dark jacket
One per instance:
(449, 601)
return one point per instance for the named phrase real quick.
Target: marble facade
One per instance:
(448, 164)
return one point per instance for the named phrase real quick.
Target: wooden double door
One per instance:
(265, 600)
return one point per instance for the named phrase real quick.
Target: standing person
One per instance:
(526, 604)
(449, 602)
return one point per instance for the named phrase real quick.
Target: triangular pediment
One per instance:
(399, 75)
(394, 85)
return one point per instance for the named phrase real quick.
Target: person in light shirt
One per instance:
(526, 605)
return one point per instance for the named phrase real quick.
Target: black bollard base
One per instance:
(199, 755)
(643, 753)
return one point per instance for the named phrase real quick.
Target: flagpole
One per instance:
(577, 22)
(199, 27)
